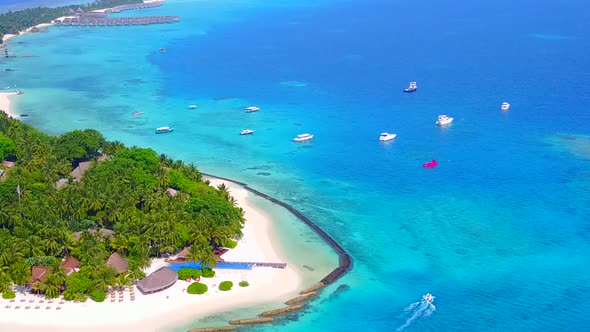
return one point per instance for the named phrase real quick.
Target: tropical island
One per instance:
(80, 195)
(82, 218)
(14, 22)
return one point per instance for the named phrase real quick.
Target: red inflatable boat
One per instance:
(432, 163)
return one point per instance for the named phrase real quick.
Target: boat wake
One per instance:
(417, 310)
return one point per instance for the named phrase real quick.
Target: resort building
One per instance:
(159, 280)
(104, 232)
(70, 265)
(79, 171)
(39, 273)
(118, 263)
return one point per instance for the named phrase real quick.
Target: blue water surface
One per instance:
(499, 232)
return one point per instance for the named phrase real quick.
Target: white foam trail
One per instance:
(415, 311)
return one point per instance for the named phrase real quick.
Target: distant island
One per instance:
(80, 196)
(14, 22)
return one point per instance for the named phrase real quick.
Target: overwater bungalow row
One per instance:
(121, 8)
(88, 21)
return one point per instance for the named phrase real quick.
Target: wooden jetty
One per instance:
(213, 329)
(301, 298)
(281, 311)
(119, 21)
(250, 321)
(134, 6)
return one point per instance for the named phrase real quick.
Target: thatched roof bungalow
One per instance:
(102, 231)
(159, 280)
(39, 273)
(79, 171)
(118, 263)
(70, 265)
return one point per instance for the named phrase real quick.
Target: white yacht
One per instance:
(411, 88)
(505, 106)
(384, 137)
(192, 107)
(303, 137)
(246, 132)
(443, 120)
(162, 130)
(428, 298)
(252, 109)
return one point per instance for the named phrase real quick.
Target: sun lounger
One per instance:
(48, 307)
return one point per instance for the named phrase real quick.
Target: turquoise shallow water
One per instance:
(498, 232)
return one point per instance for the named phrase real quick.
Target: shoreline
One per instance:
(174, 307)
(344, 259)
(6, 102)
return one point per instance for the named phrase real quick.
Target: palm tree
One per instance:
(194, 253)
(208, 258)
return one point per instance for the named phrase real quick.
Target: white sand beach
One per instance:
(5, 101)
(173, 306)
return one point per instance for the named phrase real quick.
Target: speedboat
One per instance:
(252, 109)
(428, 298)
(303, 137)
(192, 107)
(384, 137)
(443, 120)
(411, 88)
(163, 130)
(505, 106)
(247, 132)
(136, 113)
(162, 50)
(430, 164)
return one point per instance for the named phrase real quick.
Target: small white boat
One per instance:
(247, 132)
(303, 137)
(428, 298)
(505, 106)
(163, 130)
(162, 50)
(411, 88)
(137, 113)
(252, 109)
(192, 107)
(443, 120)
(384, 137)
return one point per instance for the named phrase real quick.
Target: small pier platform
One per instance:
(258, 264)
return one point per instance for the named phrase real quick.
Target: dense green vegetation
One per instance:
(197, 288)
(125, 193)
(9, 294)
(208, 272)
(244, 284)
(225, 285)
(13, 22)
(185, 273)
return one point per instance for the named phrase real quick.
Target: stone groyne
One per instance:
(344, 260)
(297, 303)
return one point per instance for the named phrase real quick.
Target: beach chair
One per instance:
(28, 307)
(37, 307)
(58, 308)
(48, 307)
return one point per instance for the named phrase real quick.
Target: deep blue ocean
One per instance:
(499, 232)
